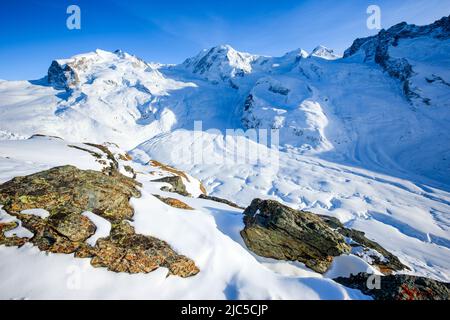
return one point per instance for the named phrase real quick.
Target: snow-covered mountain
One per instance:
(364, 137)
(389, 93)
(220, 63)
(325, 53)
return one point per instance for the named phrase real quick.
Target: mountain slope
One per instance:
(363, 138)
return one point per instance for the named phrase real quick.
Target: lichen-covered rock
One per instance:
(273, 230)
(169, 169)
(10, 241)
(47, 238)
(173, 202)
(66, 192)
(398, 287)
(126, 251)
(177, 185)
(73, 226)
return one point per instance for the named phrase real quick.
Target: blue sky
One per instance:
(34, 32)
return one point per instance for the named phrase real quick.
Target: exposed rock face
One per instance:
(273, 230)
(66, 192)
(363, 247)
(376, 48)
(48, 238)
(217, 199)
(173, 202)
(177, 185)
(276, 231)
(399, 287)
(439, 29)
(126, 251)
(10, 241)
(170, 169)
(62, 76)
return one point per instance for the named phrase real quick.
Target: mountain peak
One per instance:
(86, 67)
(325, 53)
(297, 53)
(440, 29)
(220, 63)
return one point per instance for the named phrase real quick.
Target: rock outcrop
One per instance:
(173, 202)
(62, 75)
(276, 231)
(126, 251)
(177, 185)
(221, 200)
(376, 49)
(398, 287)
(13, 241)
(66, 192)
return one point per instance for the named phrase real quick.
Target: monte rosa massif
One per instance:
(107, 190)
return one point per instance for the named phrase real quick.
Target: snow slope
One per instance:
(409, 220)
(209, 235)
(355, 110)
(364, 138)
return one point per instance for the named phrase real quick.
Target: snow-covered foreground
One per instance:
(209, 235)
(383, 207)
(410, 220)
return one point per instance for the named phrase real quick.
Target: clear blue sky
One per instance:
(34, 32)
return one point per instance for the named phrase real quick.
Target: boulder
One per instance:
(13, 241)
(126, 251)
(398, 287)
(66, 192)
(173, 202)
(177, 185)
(276, 231)
(67, 189)
(221, 200)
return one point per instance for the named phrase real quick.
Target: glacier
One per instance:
(363, 137)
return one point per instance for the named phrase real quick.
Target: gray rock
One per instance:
(62, 76)
(177, 185)
(276, 231)
(217, 199)
(398, 287)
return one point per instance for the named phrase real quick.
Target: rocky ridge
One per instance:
(376, 49)
(398, 287)
(67, 192)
